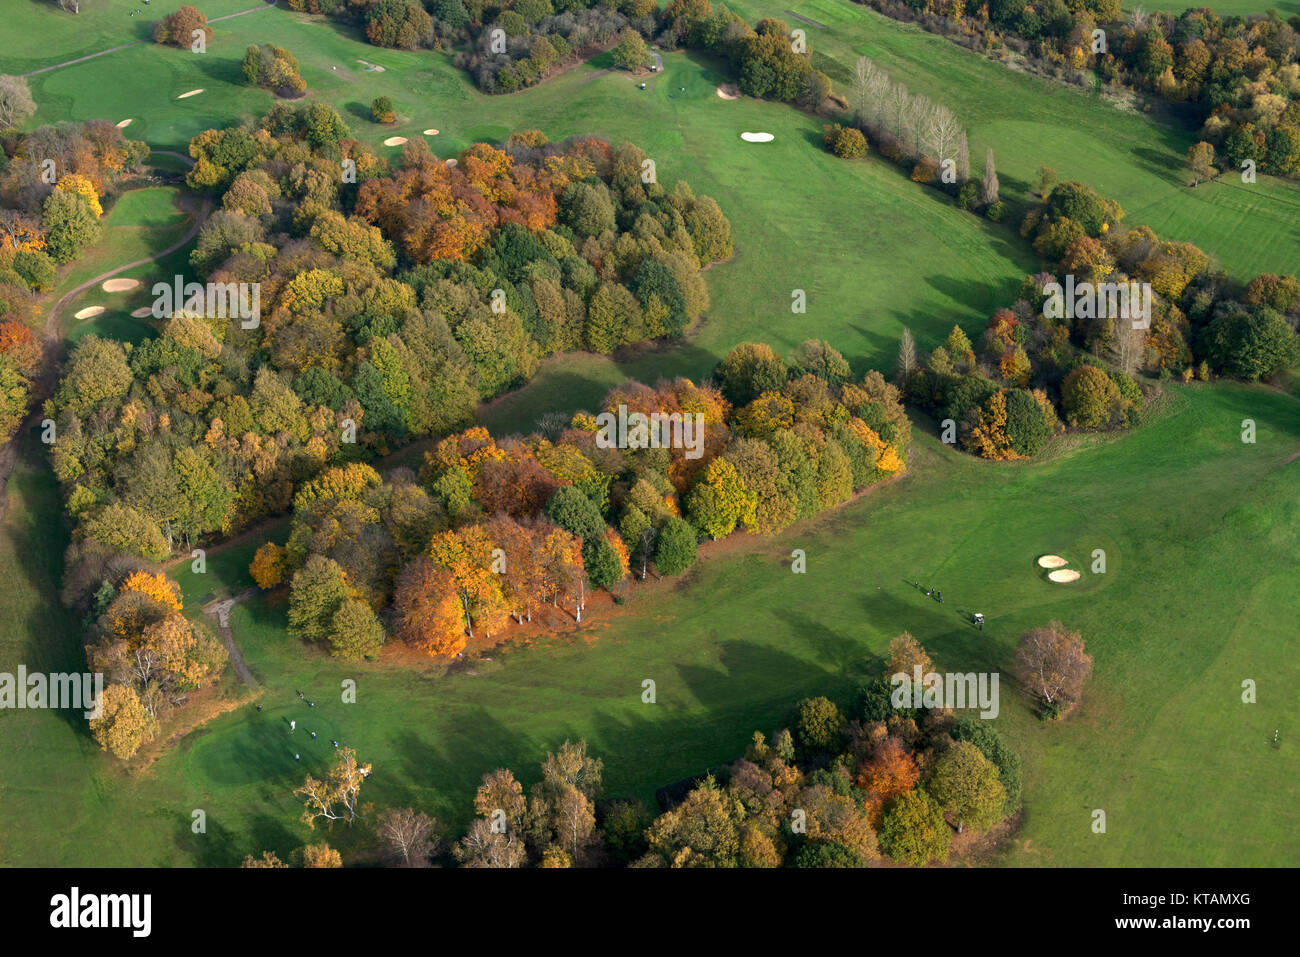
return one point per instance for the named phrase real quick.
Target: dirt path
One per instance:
(43, 386)
(219, 611)
(134, 43)
(819, 26)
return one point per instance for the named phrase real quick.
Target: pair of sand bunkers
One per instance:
(1059, 572)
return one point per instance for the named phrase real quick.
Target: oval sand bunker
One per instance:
(757, 137)
(119, 285)
(430, 132)
(190, 93)
(88, 312)
(141, 312)
(395, 141)
(1064, 575)
(124, 124)
(729, 91)
(1052, 561)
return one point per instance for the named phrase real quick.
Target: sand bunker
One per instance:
(395, 141)
(1064, 575)
(430, 132)
(190, 93)
(729, 91)
(119, 285)
(452, 161)
(371, 67)
(88, 312)
(1051, 561)
(141, 312)
(124, 124)
(757, 137)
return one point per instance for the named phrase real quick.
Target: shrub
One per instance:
(845, 142)
(381, 110)
(996, 211)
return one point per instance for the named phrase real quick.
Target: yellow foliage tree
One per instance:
(157, 586)
(77, 183)
(268, 565)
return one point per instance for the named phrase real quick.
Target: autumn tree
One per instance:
(905, 656)
(1200, 162)
(16, 103)
(268, 565)
(890, 771)
(818, 724)
(123, 725)
(178, 29)
(428, 610)
(1052, 664)
(321, 855)
(335, 798)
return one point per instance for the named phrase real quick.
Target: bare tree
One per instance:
(1052, 663)
(70, 6)
(16, 103)
(897, 107)
(877, 94)
(989, 188)
(407, 837)
(944, 131)
(861, 79)
(963, 159)
(1127, 345)
(906, 355)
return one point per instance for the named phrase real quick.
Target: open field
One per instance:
(1202, 535)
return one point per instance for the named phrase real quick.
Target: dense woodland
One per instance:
(389, 308)
(493, 531)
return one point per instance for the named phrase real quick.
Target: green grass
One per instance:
(1201, 538)
(1032, 122)
(140, 224)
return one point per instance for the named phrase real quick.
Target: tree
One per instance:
(70, 224)
(749, 370)
(16, 103)
(321, 855)
(1251, 344)
(719, 501)
(334, 798)
(96, 372)
(407, 838)
(381, 110)
(356, 633)
(1052, 663)
(905, 656)
(845, 141)
(702, 831)
(631, 53)
(966, 785)
(269, 860)
(427, 609)
(818, 724)
(177, 29)
(123, 724)
(1200, 162)
(484, 847)
(1026, 425)
(316, 593)
(989, 185)
(1089, 396)
(906, 356)
(268, 565)
(913, 830)
(890, 771)
(676, 548)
